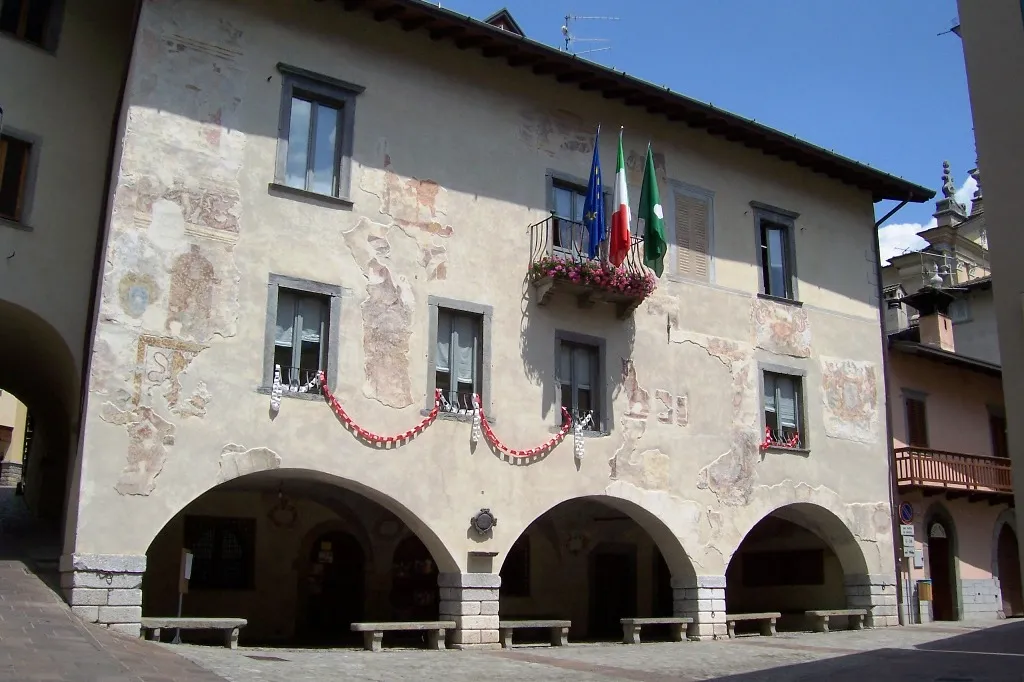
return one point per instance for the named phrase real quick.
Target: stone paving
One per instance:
(947, 653)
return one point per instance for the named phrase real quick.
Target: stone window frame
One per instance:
(694, 192)
(785, 218)
(604, 395)
(302, 286)
(35, 143)
(52, 32)
(486, 312)
(332, 90)
(921, 396)
(803, 427)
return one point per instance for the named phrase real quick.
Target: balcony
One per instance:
(955, 474)
(559, 263)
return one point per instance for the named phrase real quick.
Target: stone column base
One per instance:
(105, 589)
(471, 600)
(877, 594)
(705, 603)
(10, 473)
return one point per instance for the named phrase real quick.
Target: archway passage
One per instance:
(793, 560)
(1009, 573)
(298, 554)
(941, 570)
(592, 561)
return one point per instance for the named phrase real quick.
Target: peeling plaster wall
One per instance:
(440, 206)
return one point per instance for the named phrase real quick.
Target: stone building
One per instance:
(374, 190)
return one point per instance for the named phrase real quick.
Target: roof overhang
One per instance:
(945, 357)
(491, 42)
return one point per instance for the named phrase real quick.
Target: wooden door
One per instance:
(334, 585)
(940, 566)
(1008, 560)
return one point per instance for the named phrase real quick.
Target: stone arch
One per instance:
(828, 525)
(667, 540)
(1007, 517)
(1006, 564)
(442, 555)
(938, 513)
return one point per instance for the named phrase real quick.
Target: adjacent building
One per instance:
(352, 353)
(15, 438)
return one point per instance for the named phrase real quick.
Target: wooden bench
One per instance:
(151, 627)
(767, 621)
(558, 629)
(373, 633)
(631, 627)
(821, 617)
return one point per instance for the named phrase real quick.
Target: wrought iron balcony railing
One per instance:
(560, 261)
(300, 380)
(953, 471)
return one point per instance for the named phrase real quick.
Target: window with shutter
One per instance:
(783, 409)
(692, 236)
(917, 423)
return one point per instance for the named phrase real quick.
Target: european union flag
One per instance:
(593, 205)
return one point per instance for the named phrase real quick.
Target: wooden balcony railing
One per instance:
(953, 471)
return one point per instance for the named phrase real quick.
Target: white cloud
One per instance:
(897, 238)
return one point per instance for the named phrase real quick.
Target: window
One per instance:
(775, 277)
(579, 379)
(783, 409)
(223, 552)
(693, 233)
(997, 427)
(29, 20)
(568, 232)
(14, 166)
(300, 343)
(960, 311)
(515, 572)
(315, 134)
(917, 423)
(458, 357)
(301, 334)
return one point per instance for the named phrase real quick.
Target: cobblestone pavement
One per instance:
(932, 653)
(39, 637)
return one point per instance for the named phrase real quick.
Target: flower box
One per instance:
(591, 281)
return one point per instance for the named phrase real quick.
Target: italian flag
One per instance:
(619, 241)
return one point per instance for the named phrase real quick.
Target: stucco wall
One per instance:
(978, 337)
(450, 156)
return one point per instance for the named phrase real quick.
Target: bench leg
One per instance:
(856, 622)
(435, 639)
(630, 634)
(768, 628)
(505, 634)
(677, 632)
(372, 640)
(559, 636)
(231, 638)
(153, 634)
(730, 628)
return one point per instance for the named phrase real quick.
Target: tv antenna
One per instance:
(571, 39)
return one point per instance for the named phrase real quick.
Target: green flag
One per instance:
(651, 219)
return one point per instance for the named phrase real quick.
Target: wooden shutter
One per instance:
(917, 423)
(692, 236)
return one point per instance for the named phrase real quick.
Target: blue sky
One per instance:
(871, 79)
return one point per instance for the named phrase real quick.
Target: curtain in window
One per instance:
(769, 393)
(444, 340)
(464, 339)
(285, 332)
(787, 403)
(581, 368)
(312, 312)
(565, 364)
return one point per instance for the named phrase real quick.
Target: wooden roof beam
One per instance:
(388, 12)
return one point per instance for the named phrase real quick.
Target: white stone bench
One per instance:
(151, 627)
(631, 627)
(373, 633)
(558, 629)
(821, 617)
(767, 622)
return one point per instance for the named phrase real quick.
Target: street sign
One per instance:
(908, 553)
(908, 540)
(906, 512)
(906, 530)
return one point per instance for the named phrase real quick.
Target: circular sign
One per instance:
(906, 512)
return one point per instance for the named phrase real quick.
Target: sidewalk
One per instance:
(39, 637)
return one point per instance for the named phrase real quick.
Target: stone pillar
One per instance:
(981, 599)
(705, 603)
(10, 473)
(105, 589)
(471, 600)
(877, 594)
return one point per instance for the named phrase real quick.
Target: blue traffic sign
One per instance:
(906, 512)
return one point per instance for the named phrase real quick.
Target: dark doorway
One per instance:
(612, 590)
(414, 588)
(661, 595)
(1008, 561)
(940, 566)
(334, 587)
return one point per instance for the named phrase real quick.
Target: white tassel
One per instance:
(474, 434)
(275, 391)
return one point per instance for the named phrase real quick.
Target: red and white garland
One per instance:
(771, 442)
(373, 437)
(480, 426)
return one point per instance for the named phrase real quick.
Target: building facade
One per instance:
(15, 437)
(384, 195)
(993, 41)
